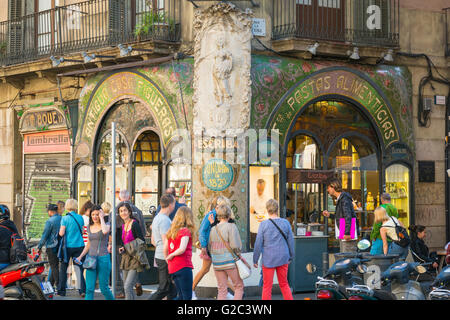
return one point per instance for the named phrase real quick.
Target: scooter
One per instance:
(398, 276)
(23, 281)
(441, 286)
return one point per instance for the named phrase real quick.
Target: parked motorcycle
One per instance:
(402, 286)
(441, 286)
(23, 281)
(341, 275)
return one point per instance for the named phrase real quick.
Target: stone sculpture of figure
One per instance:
(223, 64)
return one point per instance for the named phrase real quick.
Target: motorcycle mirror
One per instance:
(361, 268)
(364, 244)
(421, 269)
(311, 268)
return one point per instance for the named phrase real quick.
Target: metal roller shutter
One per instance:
(47, 180)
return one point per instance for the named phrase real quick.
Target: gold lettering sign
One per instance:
(343, 83)
(128, 84)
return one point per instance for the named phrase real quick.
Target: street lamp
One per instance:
(354, 55)
(313, 48)
(124, 51)
(57, 61)
(89, 58)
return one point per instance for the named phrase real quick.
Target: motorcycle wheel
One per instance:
(32, 292)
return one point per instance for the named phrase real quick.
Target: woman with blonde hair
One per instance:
(387, 232)
(224, 237)
(203, 235)
(178, 251)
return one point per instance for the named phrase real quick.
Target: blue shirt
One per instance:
(272, 245)
(205, 229)
(74, 237)
(50, 235)
(172, 214)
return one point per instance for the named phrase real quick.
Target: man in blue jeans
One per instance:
(72, 229)
(50, 239)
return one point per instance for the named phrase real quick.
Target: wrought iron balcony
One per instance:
(88, 25)
(359, 22)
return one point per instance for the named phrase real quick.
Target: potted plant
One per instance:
(151, 21)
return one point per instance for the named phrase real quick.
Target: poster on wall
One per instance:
(262, 188)
(146, 190)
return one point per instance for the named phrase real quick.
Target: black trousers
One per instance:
(54, 264)
(166, 286)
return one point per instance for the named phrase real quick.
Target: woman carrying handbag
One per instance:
(275, 242)
(224, 237)
(98, 260)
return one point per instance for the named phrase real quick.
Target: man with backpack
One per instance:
(7, 230)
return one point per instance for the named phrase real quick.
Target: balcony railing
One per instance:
(88, 25)
(361, 22)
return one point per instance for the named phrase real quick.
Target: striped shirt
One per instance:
(85, 231)
(221, 257)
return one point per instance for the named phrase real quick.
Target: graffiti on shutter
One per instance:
(47, 180)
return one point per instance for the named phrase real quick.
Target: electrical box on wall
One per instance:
(427, 104)
(426, 171)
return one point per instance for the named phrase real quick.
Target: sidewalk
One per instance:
(72, 294)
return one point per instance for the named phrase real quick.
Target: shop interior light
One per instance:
(354, 55)
(389, 56)
(124, 51)
(313, 48)
(57, 61)
(88, 58)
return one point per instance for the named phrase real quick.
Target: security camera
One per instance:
(448, 172)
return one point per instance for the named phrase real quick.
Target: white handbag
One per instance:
(243, 269)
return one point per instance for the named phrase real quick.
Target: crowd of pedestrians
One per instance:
(84, 239)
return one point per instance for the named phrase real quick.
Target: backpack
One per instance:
(18, 250)
(402, 235)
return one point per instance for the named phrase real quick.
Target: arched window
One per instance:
(398, 187)
(147, 171)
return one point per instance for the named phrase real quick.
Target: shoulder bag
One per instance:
(243, 269)
(402, 235)
(90, 262)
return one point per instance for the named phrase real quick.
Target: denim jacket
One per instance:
(50, 235)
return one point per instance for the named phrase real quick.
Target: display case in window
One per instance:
(84, 185)
(179, 177)
(397, 185)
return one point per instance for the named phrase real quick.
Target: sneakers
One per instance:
(194, 297)
(230, 296)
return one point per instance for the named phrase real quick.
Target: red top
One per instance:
(183, 260)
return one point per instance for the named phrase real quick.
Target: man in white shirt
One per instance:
(258, 211)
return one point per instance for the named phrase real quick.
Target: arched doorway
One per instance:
(333, 135)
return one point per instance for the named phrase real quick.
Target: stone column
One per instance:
(222, 97)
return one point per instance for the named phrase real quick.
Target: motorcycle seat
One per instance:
(14, 267)
(383, 295)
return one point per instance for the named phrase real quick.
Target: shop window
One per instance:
(398, 186)
(146, 171)
(356, 162)
(84, 184)
(104, 170)
(179, 176)
(263, 185)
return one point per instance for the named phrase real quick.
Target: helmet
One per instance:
(4, 212)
